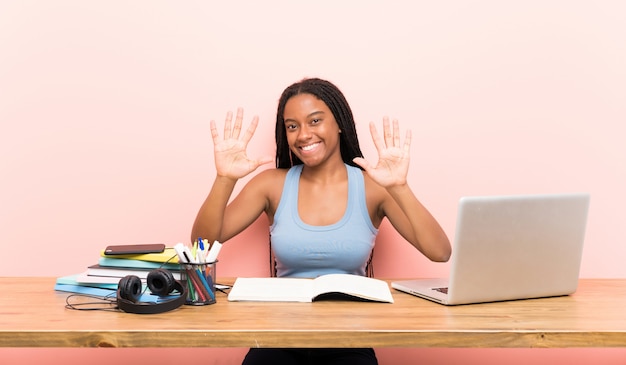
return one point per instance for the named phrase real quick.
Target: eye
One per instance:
(316, 121)
(291, 126)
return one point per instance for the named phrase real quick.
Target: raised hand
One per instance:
(393, 158)
(231, 159)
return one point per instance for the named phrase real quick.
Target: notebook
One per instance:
(511, 247)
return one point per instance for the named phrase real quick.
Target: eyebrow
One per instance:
(308, 116)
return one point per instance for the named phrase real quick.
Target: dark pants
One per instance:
(343, 356)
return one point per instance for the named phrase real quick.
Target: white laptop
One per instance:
(511, 247)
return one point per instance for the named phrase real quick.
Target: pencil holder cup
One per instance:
(200, 281)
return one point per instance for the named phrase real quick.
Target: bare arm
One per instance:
(216, 220)
(415, 223)
(399, 204)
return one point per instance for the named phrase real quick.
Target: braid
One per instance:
(338, 105)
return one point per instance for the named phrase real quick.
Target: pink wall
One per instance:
(105, 109)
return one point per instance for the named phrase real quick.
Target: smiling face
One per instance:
(312, 131)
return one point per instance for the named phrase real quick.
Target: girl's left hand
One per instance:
(393, 158)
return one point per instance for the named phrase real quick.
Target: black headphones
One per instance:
(161, 282)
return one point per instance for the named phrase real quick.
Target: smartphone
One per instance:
(134, 249)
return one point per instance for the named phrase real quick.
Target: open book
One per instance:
(330, 286)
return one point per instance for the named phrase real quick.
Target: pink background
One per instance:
(105, 109)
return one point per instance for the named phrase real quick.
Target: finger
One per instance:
(388, 133)
(361, 162)
(238, 122)
(214, 134)
(250, 131)
(378, 142)
(396, 133)
(407, 143)
(227, 124)
(264, 160)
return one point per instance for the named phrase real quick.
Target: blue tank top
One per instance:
(303, 250)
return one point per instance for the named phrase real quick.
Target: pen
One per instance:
(198, 286)
(214, 251)
(190, 257)
(203, 274)
(200, 244)
(206, 284)
(192, 292)
(180, 251)
(198, 279)
(187, 257)
(205, 242)
(194, 249)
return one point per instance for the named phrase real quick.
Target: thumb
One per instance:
(264, 160)
(362, 162)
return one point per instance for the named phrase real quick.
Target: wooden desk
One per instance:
(32, 314)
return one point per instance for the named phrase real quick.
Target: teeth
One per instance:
(309, 147)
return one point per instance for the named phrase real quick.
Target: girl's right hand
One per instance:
(231, 160)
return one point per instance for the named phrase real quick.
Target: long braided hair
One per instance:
(338, 105)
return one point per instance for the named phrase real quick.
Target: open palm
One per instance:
(393, 157)
(231, 159)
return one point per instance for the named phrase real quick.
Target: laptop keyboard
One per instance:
(441, 290)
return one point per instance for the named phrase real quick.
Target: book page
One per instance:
(272, 289)
(359, 286)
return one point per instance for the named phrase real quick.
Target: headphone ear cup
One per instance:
(129, 288)
(161, 282)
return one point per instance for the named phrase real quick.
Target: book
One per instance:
(138, 264)
(330, 286)
(145, 295)
(120, 272)
(87, 290)
(84, 278)
(70, 280)
(104, 277)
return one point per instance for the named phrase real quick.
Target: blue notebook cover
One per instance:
(80, 289)
(146, 296)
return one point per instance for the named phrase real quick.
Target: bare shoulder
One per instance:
(270, 176)
(265, 182)
(269, 183)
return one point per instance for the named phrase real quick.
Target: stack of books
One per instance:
(101, 279)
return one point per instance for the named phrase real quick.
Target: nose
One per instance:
(304, 133)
